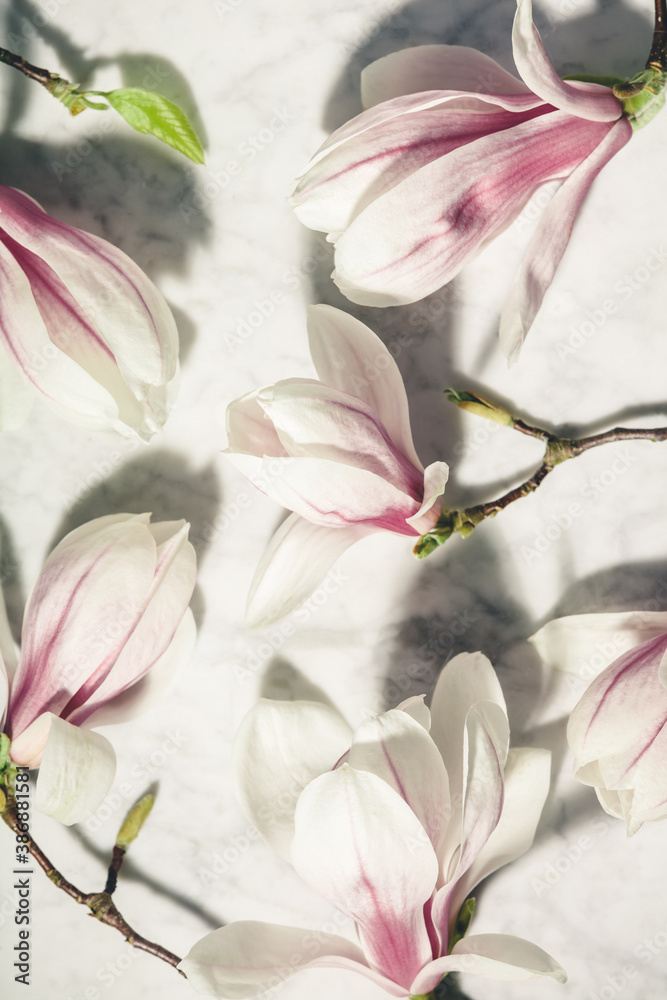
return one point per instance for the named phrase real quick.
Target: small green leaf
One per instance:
(152, 113)
(134, 821)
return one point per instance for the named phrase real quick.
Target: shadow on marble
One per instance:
(283, 682)
(163, 483)
(11, 582)
(131, 872)
(129, 189)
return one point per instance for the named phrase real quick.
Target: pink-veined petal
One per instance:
(123, 303)
(157, 614)
(74, 624)
(453, 100)
(4, 693)
(329, 493)
(360, 845)
(279, 748)
(249, 958)
(586, 644)
(76, 771)
(548, 244)
(316, 421)
(435, 67)
(400, 751)
(526, 781)
(592, 102)
(296, 561)
(339, 186)
(145, 693)
(620, 714)
(418, 236)
(249, 429)
(348, 356)
(498, 956)
(41, 363)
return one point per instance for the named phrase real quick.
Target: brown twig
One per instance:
(99, 903)
(658, 54)
(558, 450)
(42, 76)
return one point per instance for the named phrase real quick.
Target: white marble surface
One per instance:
(281, 75)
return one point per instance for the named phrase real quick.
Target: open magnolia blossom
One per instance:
(105, 631)
(394, 825)
(337, 452)
(618, 730)
(450, 149)
(81, 325)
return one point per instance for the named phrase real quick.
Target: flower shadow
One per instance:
(159, 481)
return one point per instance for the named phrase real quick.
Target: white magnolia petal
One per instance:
(465, 680)
(435, 67)
(348, 356)
(296, 561)
(249, 429)
(76, 772)
(82, 610)
(145, 693)
(586, 644)
(416, 707)
(549, 242)
(124, 305)
(314, 420)
(649, 801)
(157, 616)
(477, 814)
(360, 846)
(378, 116)
(526, 781)
(417, 236)
(248, 958)
(279, 748)
(620, 714)
(499, 956)
(593, 103)
(399, 750)
(435, 480)
(48, 370)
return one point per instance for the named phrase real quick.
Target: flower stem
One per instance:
(99, 903)
(558, 450)
(658, 54)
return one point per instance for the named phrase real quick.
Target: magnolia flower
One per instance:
(449, 150)
(105, 630)
(338, 453)
(81, 325)
(618, 730)
(394, 826)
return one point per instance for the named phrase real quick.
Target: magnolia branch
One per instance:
(558, 450)
(658, 54)
(100, 904)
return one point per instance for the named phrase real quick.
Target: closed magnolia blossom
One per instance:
(447, 153)
(81, 326)
(338, 452)
(394, 825)
(106, 628)
(618, 730)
